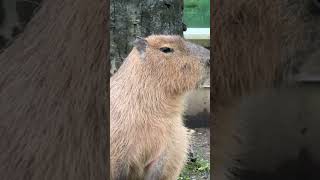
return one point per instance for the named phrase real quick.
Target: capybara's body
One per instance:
(148, 138)
(271, 135)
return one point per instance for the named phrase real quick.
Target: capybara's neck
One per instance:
(132, 87)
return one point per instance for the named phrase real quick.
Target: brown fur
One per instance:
(272, 135)
(52, 95)
(254, 43)
(146, 109)
(250, 44)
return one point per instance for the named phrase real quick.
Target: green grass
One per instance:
(197, 168)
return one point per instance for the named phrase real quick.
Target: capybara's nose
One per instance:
(208, 63)
(199, 51)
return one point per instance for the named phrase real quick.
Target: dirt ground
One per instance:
(200, 144)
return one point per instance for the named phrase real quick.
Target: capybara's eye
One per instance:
(166, 50)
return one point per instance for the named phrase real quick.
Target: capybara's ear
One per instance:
(141, 44)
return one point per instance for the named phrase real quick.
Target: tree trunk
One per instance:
(131, 18)
(52, 95)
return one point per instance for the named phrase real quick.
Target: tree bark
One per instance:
(52, 95)
(131, 18)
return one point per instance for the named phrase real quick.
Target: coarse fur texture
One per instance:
(148, 138)
(267, 134)
(53, 95)
(252, 46)
(271, 135)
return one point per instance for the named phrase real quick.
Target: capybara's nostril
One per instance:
(208, 63)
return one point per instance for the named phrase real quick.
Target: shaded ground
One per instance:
(198, 167)
(201, 142)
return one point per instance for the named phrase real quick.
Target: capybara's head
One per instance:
(173, 63)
